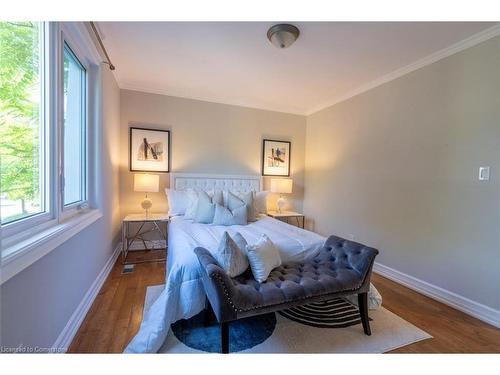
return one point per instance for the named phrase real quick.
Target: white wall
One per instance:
(397, 168)
(207, 138)
(37, 303)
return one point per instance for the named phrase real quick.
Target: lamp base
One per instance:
(146, 204)
(281, 203)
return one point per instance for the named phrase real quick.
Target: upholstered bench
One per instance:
(341, 268)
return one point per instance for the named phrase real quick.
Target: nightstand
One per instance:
(155, 221)
(287, 215)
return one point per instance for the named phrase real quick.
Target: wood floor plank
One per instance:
(116, 315)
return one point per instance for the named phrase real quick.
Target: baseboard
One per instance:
(466, 305)
(65, 338)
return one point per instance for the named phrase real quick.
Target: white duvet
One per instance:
(184, 296)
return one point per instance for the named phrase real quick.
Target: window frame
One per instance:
(66, 211)
(27, 240)
(25, 224)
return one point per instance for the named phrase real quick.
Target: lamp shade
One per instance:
(281, 185)
(148, 183)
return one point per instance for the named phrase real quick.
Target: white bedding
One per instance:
(184, 296)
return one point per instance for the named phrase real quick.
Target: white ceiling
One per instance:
(234, 63)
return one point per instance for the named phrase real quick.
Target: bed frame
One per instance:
(206, 181)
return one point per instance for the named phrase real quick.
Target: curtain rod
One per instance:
(111, 66)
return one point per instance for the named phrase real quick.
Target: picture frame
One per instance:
(149, 150)
(276, 156)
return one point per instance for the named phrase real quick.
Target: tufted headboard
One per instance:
(181, 181)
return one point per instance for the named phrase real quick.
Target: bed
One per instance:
(184, 296)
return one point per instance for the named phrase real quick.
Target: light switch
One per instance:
(484, 173)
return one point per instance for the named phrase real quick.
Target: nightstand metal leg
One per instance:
(127, 241)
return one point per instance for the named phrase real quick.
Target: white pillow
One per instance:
(230, 257)
(260, 202)
(177, 201)
(192, 203)
(263, 257)
(224, 216)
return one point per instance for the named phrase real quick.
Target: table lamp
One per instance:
(281, 186)
(148, 183)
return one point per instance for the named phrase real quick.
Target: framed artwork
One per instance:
(276, 158)
(149, 150)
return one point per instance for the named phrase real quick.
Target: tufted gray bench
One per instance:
(341, 268)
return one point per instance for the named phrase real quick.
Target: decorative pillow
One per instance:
(263, 257)
(240, 241)
(177, 201)
(192, 203)
(233, 201)
(247, 199)
(260, 202)
(230, 257)
(205, 208)
(224, 216)
(216, 196)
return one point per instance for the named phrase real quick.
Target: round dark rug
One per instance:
(243, 333)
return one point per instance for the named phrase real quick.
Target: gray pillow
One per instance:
(205, 208)
(224, 216)
(240, 241)
(230, 257)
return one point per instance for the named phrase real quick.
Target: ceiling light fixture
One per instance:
(283, 35)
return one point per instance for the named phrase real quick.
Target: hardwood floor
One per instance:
(452, 330)
(116, 314)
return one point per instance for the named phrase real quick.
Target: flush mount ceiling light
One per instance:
(283, 35)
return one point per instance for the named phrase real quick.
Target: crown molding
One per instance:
(428, 60)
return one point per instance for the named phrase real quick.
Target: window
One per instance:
(23, 131)
(45, 70)
(74, 158)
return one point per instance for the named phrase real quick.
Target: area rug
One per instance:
(275, 333)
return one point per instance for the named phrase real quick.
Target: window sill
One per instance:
(21, 255)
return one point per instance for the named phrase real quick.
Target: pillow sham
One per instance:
(230, 257)
(205, 208)
(177, 201)
(224, 216)
(263, 257)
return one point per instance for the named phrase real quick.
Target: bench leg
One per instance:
(363, 312)
(224, 334)
(209, 315)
